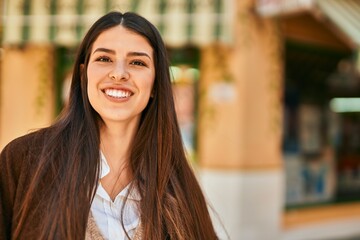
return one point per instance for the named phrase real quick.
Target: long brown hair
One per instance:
(172, 205)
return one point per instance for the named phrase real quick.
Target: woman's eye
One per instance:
(103, 59)
(138, 63)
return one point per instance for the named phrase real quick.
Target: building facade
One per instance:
(245, 75)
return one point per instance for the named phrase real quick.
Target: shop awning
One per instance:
(342, 15)
(64, 22)
(345, 15)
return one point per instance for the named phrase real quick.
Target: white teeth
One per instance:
(117, 93)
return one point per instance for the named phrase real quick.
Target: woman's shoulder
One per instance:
(18, 160)
(23, 147)
(24, 142)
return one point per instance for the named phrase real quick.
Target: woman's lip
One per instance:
(117, 93)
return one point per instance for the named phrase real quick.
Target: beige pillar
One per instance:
(240, 121)
(27, 96)
(240, 127)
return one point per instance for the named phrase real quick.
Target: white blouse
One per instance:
(107, 213)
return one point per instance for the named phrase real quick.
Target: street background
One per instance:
(267, 94)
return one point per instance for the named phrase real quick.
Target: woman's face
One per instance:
(121, 75)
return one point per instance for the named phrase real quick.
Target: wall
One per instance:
(27, 95)
(240, 127)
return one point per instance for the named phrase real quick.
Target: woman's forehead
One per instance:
(121, 38)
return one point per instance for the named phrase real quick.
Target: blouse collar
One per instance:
(105, 169)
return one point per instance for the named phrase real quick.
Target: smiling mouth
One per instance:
(116, 93)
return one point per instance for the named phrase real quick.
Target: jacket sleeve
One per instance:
(8, 183)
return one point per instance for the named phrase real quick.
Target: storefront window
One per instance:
(185, 74)
(321, 146)
(64, 60)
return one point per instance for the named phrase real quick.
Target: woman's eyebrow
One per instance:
(139, 54)
(104, 50)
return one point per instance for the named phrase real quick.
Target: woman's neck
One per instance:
(115, 140)
(115, 143)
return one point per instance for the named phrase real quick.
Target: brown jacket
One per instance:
(17, 164)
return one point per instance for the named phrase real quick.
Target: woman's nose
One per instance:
(119, 72)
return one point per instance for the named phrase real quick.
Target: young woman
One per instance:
(113, 165)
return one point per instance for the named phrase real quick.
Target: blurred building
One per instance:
(321, 144)
(257, 84)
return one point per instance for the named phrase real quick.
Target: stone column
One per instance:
(27, 96)
(240, 127)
